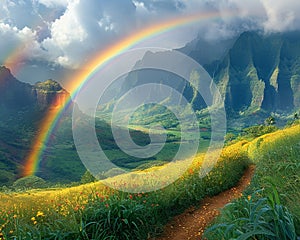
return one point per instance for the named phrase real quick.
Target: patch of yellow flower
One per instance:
(33, 219)
(35, 205)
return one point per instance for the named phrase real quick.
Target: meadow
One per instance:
(270, 207)
(95, 211)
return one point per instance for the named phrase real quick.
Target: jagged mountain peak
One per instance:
(6, 76)
(4, 71)
(49, 85)
(207, 51)
(17, 95)
(261, 72)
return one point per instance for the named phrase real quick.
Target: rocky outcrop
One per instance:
(16, 95)
(261, 72)
(49, 94)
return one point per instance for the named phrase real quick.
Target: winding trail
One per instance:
(192, 222)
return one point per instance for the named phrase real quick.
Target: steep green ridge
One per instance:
(147, 114)
(261, 72)
(259, 75)
(22, 110)
(137, 78)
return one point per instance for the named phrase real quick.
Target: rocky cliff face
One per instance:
(257, 72)
(261, 72)
(22, 109)
(137, 78)
(49, 94)
(16, 95)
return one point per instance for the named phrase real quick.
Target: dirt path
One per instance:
(191, 223)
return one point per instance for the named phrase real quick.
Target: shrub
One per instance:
(229, 137)
(87, 177)
(259, 130)
(29, 182)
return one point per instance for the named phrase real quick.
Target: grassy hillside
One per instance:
(60, 161)
(94, 211)
(271, 205)
(86, 211)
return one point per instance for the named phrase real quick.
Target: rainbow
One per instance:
(52, 117)
(14, 59)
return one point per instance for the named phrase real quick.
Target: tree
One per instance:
(270, 121)
(29, 182)
(87, 177)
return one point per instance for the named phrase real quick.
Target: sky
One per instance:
(42, 39)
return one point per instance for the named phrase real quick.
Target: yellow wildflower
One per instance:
(40, 214)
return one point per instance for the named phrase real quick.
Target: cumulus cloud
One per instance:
(53, 3)
(86, 27)
(282, 15)
(161, 6)
(22, 43)
(68, 32)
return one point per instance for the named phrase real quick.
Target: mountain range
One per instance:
(257, 75)
(261, 72)
(17, 95)
(23, 107)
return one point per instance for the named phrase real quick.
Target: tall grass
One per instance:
(94, 211)
(277, 159)
(270, 208)
(254, 217)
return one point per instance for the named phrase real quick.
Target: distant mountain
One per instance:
(206, 52)
(23, 108)
(16, 95)
(261, 72)
(255, 73)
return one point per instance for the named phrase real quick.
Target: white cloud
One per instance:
(269, 15)
(87, 27)
(17, 44)
(68, 32)
(282, 15)
(66, 37)
(54, 3)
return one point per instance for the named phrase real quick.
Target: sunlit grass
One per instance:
(91, 210)
(270, 207)
(95, 211)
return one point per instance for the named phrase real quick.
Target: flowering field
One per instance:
(94, 211)
(270, 208)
